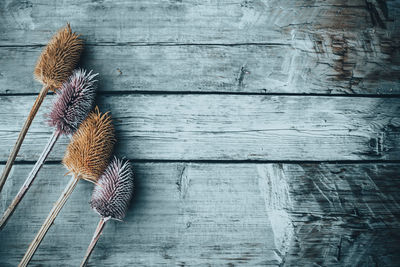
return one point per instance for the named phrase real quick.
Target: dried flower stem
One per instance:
(95, 238)
(22, 134)
(55, 64)
(29, 180)
(49, 221)
(74, 102)
(111, 197)
(86, 158)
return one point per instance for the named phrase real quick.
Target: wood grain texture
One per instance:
(211, 68)
(196, 21)
(355, 205)
(229, 127)
(184, 81)
(189, 214)
(319, 47)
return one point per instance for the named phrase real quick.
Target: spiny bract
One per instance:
(74, 102)
(113, 191)
(91, 147)
(59, 58)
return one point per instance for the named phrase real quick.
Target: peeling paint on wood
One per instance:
(323, 47)
(229, 127)
(274, 188)
(341, 214)
(345, 214)
(197, 21)
(212, 68)
(185, 82)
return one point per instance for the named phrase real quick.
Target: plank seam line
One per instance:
(140, 92)
(54, 162)
(117, 44)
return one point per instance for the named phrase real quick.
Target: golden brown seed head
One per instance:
(59, 58)
(90, 149)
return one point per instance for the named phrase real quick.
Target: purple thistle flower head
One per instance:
(112, 194)
(74, 101)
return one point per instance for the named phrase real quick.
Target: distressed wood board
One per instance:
(228, 127)
(219, 214)
(196, 21)
(318, 47)
(263, 133)
(254, 68)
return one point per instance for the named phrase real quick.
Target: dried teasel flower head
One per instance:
(114, 189)
(74, 102)
(91, 147)
(59, 58)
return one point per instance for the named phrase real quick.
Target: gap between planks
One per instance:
(141, 92)
(222, 162)
(155, 44)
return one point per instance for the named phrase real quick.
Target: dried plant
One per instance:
(114, 190)
(54, 66)
(59, 58)
(86, 158)
(111, 197)
(72, 105)
(75, 100)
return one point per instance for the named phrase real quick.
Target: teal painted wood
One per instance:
(212, 68)
(219, 214)
(199, 22)
(185, 82)
(228, 127)
(319, 47)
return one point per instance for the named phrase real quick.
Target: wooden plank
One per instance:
(228, 127)
(344, 214)
(231, 69)
(196, 21)
(219, 214)
(336, 46)
(203, 214)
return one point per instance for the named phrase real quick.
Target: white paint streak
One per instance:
(251, 14)
(183, 182)
(275, 191)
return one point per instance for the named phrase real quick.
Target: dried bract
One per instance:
(59, 58)
(74, 102)
(114, 189)
(90, 149)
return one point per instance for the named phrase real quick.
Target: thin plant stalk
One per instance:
(96, 236)
(111, 197)
(21, 136)
(49, 221)
(55, 65)
(75, 100)
(86, 157)
(29, 180)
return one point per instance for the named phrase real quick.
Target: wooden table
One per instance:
(261, 132)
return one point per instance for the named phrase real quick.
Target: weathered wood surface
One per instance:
(189, 214)
(318, 47)
(196, 21)
(184, 81)
(233, 69)
(229, 127)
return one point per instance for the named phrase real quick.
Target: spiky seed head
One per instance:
(114, 189)
(91, 147)
(59, 58)
(74, 102)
